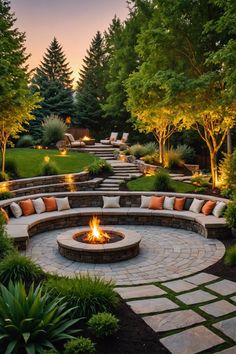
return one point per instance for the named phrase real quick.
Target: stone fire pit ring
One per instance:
(122, 250)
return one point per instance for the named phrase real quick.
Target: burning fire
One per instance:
(96, 234)
(86, 138)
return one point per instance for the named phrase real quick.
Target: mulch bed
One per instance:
(134, 336)
(222, 270)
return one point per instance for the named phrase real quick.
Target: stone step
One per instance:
(112, 181)
(107, 189)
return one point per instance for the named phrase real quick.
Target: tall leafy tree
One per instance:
(16, 100)
(53, 80)
(91, 88)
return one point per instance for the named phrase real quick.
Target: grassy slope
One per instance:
(29, 161)
(146, 183)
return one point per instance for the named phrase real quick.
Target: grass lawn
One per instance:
(146, 183)
(29, 161)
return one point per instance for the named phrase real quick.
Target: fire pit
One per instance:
(99, 245)
(88, 141)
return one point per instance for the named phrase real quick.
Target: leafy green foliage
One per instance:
(49, 169)
(6, 195)
(11, 168)
(31, 322)
(187, 153)
(99, 167)
(172, 159)
(230, 214)
(17, 268)
(139, 150)
(162, 181)
(227, 174)
(200, 181)
(230, 256)
(6, 245)
(25, 141)
(103, 324)
(88, 295)
(4, 177)
(53, 130)
(80, 345)
(152, 158)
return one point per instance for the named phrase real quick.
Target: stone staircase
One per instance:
(104, 152)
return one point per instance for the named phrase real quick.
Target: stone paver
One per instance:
(196, 297)
(165, 254)
(223, 287)
(231, 350)
(219, 308)
(179, 285)
(233, 298)
(139, 291)
(193, 340)
(173, 320)
(228, 327)
(201, 278)
(152, 305)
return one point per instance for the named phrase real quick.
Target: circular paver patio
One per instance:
(165, 253)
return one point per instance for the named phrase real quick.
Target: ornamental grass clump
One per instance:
(6, 245)
(162, 181)
(54, 129)
(103, 324)
(25, 141)
(87, 294)
(80, 345)
(11, 169)
(230, 256)
(99, 167)
(32, 322)
(172, 159)
(49, 169)
(17, 268)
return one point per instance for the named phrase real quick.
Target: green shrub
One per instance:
(4, 177)
(19, 268)
(227, 175)
(151, 159)
(11, 169)
(99, 167)
(31, 322)
(6, 195)
(200, 181)
(80, 345)
(88, 295)
(25, 141)
(172, 159)
(53, 130)
(6, 245)
(162, 181)
(230, 256)
(139, 150)
(103, 324)
(49, 169)
(187, 153)
(230, 214)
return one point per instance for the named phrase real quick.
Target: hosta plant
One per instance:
(32, 322)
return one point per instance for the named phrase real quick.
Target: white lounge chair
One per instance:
(122, 141)
(112, 138)
(70, 140)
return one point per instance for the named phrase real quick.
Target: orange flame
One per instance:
(86, 138)
(96, 234)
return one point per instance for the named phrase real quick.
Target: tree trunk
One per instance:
(229, 142)
(161, 151)
(214, 171)
(3, 153)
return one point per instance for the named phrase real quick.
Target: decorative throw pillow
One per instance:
(27, 207)
(62, 203)
(4, 215)
(188, 203)
(208, 207)
(111, 202)
(39, 205)
(196, 205)
(16, 209)
(50, 203)
(169, 203)
(179, 203)
(145, 201)
(219, 209)
(156, 203)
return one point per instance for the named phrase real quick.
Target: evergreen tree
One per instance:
(91, 88)
(53, 80)
(16, 100)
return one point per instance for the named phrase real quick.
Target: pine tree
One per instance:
(91, 88)
(53, 80)
(16, 100)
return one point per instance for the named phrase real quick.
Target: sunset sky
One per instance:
(72, 22)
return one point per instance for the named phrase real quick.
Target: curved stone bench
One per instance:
(86, 204)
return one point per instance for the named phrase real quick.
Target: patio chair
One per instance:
(71, 142)
(112, 138)
(122, 141)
